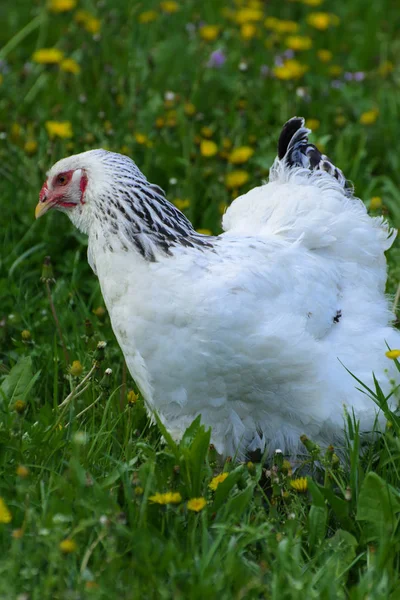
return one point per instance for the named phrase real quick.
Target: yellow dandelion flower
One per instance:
(227, 144)
(375, 203)
(300, 484)
(271, 23)
(100, 311)
(208, 148)
(207, 132)
(324, 56)
(189, 109)
(196, 504)
(30, 146)
(215, 481)
(169, 6)
(209, 33)
(60, 6)
(160, 122)
(322, 20)
(92, 25)
(298, 42)
(17, 534)
(204, 231)
(369, 117)
(291, 69)
(340, 120)
(69, 65)
(167, 498)
(61, 129)
(247, 15)
(5, 515)
(76, 368)
(15, 131)
(181, 204)
(22, 471)
(148, 16)
(132, 397)
(68, 546)
(312, 2)
(141, 138)
(48, 56)
(26, 335)
(91, 585)
(81, 16)
(392, 354)
(285, 26)
(240, 155)
(236, 179)
(385, 68)
(248, 31)
(335, 70)
(312, 124)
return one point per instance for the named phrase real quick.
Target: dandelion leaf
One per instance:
(378, 503)
(19, 381)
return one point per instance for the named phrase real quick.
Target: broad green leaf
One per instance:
(20, 380)
(196, 459)
(317, 518)
(190, 433)
(341, 548)
(315, 490)
(378, 502)
(238, 503)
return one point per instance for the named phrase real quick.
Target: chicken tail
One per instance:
(294, 150)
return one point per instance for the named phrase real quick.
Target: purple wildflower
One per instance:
(217, 59)
(359, 76)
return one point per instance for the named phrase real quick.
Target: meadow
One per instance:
(95, 501)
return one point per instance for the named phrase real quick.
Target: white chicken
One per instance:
(250, 328)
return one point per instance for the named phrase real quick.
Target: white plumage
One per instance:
(251, 328)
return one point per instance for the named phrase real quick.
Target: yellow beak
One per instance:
(41, 208)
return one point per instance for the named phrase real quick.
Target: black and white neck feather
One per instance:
(128, 210)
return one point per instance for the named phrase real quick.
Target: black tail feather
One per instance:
(295, 150)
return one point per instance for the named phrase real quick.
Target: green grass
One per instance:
(88, 478)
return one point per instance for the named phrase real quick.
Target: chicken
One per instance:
(251, 329)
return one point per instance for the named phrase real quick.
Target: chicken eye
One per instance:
(61, 180)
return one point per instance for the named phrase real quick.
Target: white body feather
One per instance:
(245, 335)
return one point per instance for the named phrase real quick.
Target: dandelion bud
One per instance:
(278, 457)
(88, 328)
(20, 406)
(100, 351)
(22, 471)
(335, 461)
(47, 271)
(26, 335)
(100, 312)
(106, 379)
(311, 446)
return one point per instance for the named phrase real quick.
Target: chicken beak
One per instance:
(42, 207)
